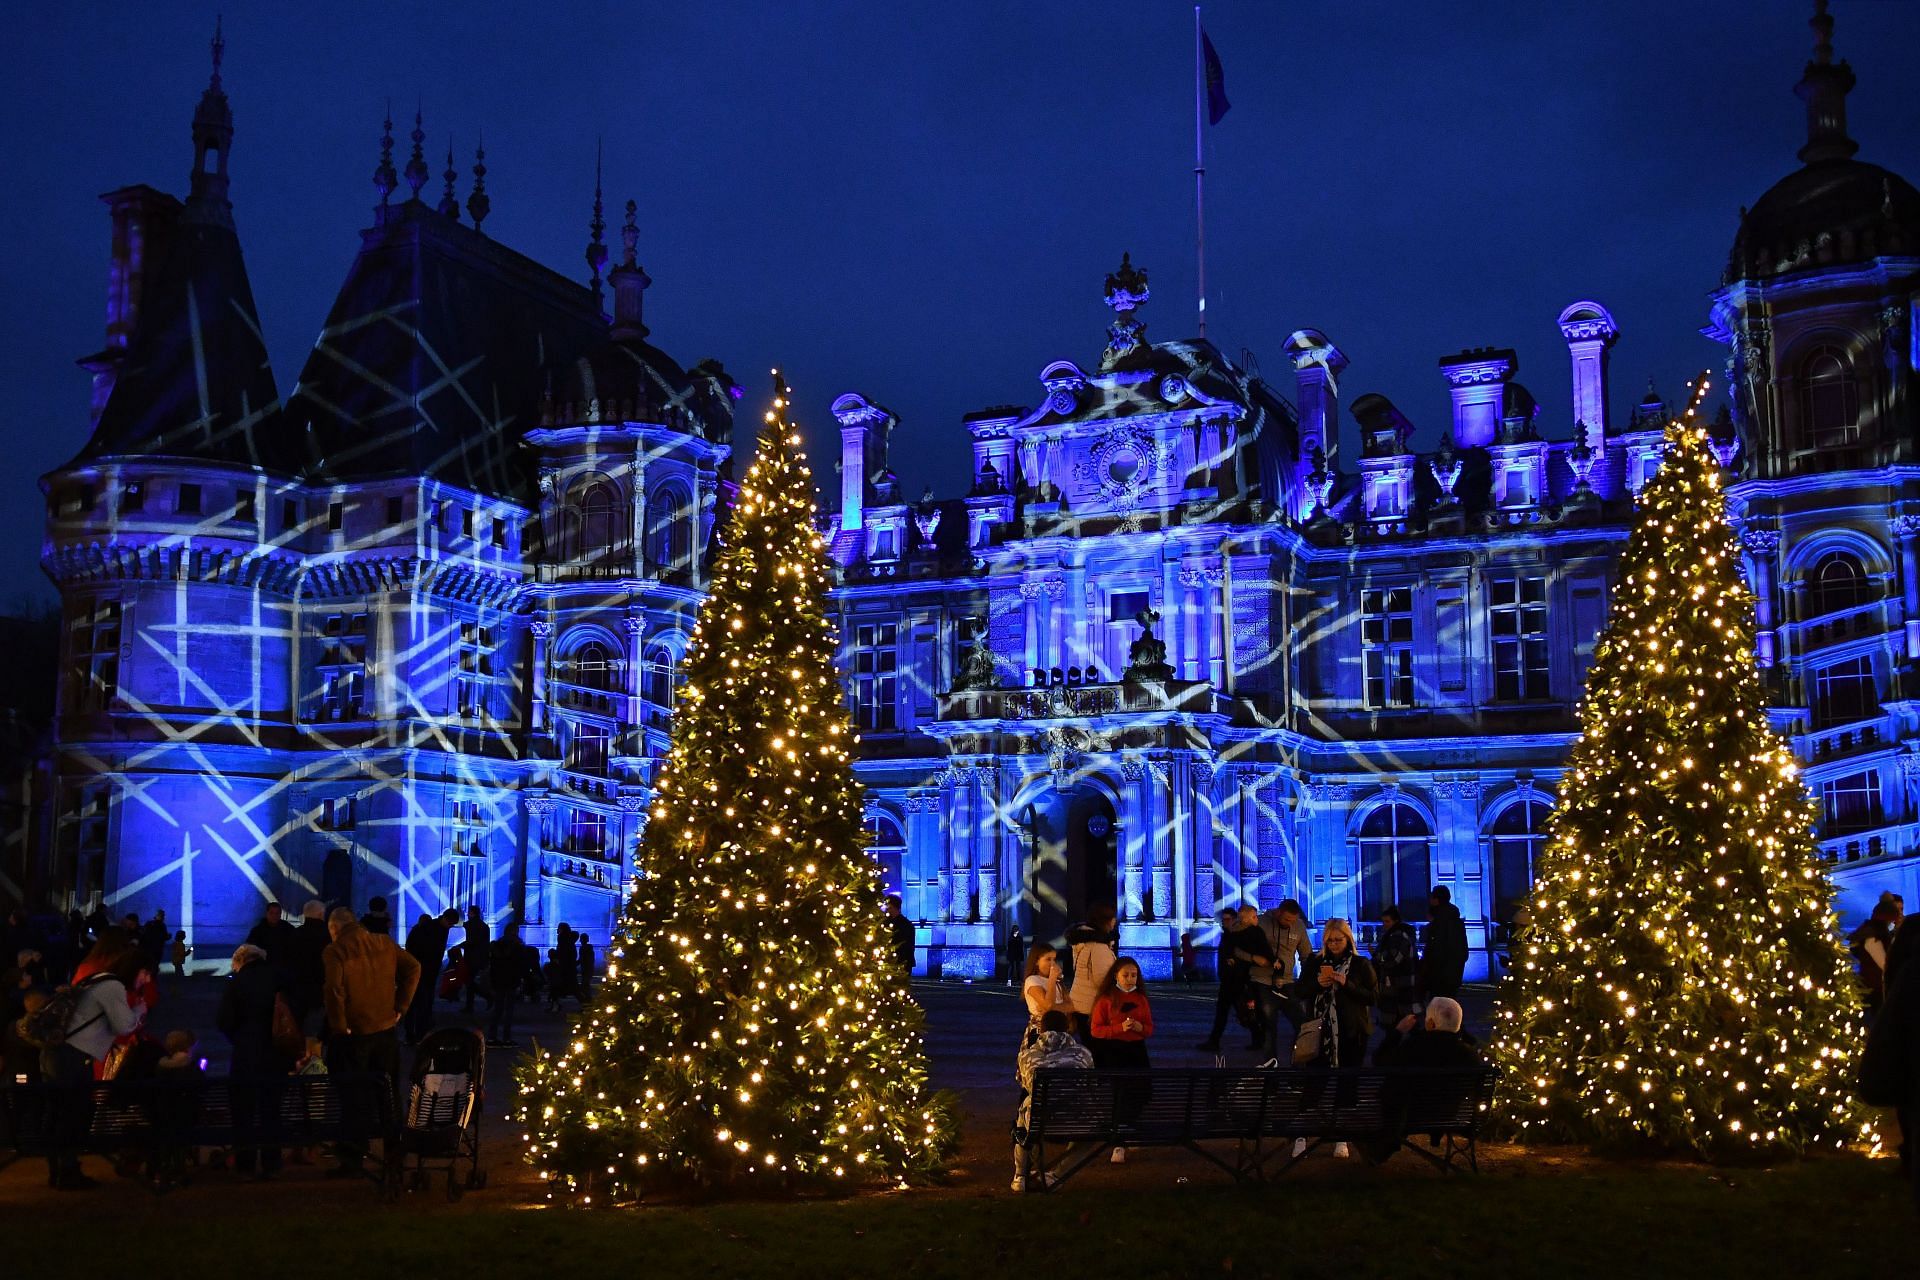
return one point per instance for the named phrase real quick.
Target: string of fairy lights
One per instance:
(751, 1029)
(1681, 984)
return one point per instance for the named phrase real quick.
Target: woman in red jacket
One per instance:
(1122, 1022)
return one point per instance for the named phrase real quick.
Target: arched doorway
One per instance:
(336, 879)
(1073, 844)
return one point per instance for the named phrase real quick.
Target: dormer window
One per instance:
(189, 501)
(336, 516)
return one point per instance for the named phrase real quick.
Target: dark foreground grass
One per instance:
(1823, 1217)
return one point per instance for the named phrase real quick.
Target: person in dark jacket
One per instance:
(427, 943)
(584, 969)
(306, 970)
(900, 936)
(1344, 992)
(246, 1018)
(1396, 962)
(1432, 1043)
(1244, 944)
(274, 936)
(154, 937)
(1445, 965)
(479, 953)
(377, 918)
(508, 965)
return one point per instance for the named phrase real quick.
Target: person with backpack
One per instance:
(75, 1030)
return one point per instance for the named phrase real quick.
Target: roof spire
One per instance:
(417, 162)
(1824, 87)
(629, 282)
(212, 139)
(384, 178)
(478, 205)
(449, 204)
(596, 250)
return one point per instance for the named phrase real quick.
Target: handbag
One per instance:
(1306, 1045)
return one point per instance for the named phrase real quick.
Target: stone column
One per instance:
(636, 624)
(1907, 529)
(960, 843)
(633, 823)
(1166, 843)
(1030, 591)
(1137, 826)
(538, 806)
(921, 891)
(1205, 852)
(542, 633)
(1762, 547)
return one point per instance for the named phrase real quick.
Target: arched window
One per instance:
(659, 676)
(1837, 581)
(669, 533)
(1518, 835)
(595, 667)
(1395, 847)
(887, 847)
(1829, 399)
(594, 525)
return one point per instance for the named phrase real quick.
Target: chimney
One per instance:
(863, 453)
(1590, 331)
(1317, 365)
(1477, 380)
(143, 219)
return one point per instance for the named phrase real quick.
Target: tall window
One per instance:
(594, 523)
(594, 667)
(1395, 847)
(888, 847)
(1850, 804)
(668, 544)
(589, 747)
(1844, 692)
(1386, 645)
(1517, 611)
(876, 662)
(1518, 835)
(1829, 399)
(659, 676)
(586, 832)
(473, 668)
(94, 650)
(1837, 582)
(466, 876)
(343, 666)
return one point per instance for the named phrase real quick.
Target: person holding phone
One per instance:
(1122, 1023)
(1343, 990)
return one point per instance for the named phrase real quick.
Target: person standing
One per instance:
(369, 985)
(1445, 964)
(180, 952)
(1870, 945)
(1122, 1023)
(900, 936)
(508, 965)
(1015, 955)
(274, 936)
(305, 969)
(377, 918)
(1094, 955)
(154, 937)
(427, 944)
(1274, 981)
(1345, 992)
(245, 1017)
(585, 968)
(1244, 950)
(1396, 963)
(102, 1011)
(479, 956)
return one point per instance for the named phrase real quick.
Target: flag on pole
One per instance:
(1217, 104)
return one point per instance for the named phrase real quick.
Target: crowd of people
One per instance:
(1307, 1007)
(333, 993)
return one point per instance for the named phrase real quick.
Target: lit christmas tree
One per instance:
(752, 1030)
(1680, 985)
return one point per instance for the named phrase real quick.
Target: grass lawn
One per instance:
(1528, 1215)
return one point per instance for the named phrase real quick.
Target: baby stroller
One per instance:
(442, 1125)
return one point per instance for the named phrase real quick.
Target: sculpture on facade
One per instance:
(976, 665)
(1147, 657)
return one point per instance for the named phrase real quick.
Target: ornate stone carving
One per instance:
(1456, 789)
(1760, 542)
(633, 804)
(1906, 526)
(976, 666)
(1126, 292)
(1133, 767)
(537, 804)
(1124, 464)
(541, 629)
(1147, 656)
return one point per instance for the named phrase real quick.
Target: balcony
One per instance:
(1079, 701)
(1840, 743)
(588, 787)
(580, 697)
(1836, 628)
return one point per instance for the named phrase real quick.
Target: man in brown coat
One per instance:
(368, 985)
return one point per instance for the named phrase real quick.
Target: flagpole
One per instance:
(1200, 167)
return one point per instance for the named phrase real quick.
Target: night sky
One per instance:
(920, 201)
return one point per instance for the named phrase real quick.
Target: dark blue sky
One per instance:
(919, 201)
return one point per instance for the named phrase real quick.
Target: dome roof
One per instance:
(627, 379)
(1831, 211)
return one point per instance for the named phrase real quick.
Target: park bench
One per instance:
(1261, 1112)
(168, 1120)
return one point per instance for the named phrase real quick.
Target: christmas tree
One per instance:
(1680, 985)
(752, 1030)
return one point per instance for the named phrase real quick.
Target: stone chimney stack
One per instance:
(1477, 380)
(1590, 331)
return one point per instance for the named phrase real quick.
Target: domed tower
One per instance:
(1817, 306)
(1817, 297)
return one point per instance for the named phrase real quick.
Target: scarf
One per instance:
(1326, 1007)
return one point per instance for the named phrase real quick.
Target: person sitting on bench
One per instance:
(1438, 1045)
(1052, 1048)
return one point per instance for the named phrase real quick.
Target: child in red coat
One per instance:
(1122, 1021)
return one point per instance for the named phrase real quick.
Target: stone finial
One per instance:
(478, 206)
(384, 177)
(416, 171)
(596, 243)
(449, 205)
